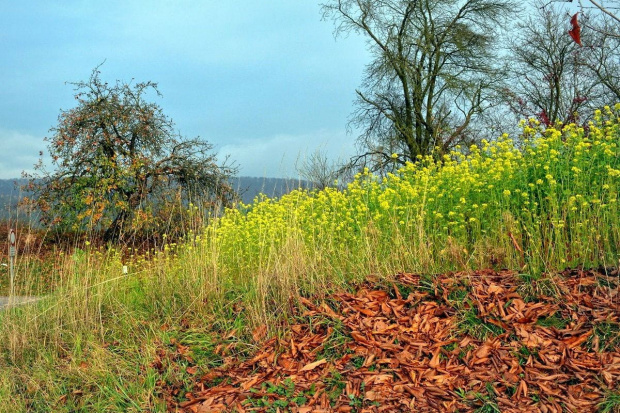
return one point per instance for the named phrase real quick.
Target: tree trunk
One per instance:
(114, 231)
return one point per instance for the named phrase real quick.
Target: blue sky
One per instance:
(264, 81)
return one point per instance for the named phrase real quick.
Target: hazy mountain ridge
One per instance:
(10, 194)
(248, 188)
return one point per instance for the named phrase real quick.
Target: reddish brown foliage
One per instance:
(575, 31)
(413, 353)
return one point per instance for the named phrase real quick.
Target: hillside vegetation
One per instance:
(248, 188)
(102, 340)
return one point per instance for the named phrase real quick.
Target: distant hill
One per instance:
(248, 188)
(10, 194)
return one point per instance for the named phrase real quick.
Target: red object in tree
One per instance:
(575, 31)
(543, 118)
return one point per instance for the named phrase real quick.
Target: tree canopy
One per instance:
(118, 160)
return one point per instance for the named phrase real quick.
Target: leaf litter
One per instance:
(470, 342)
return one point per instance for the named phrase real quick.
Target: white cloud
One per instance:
(20, 152)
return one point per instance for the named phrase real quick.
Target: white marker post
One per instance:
(12, 254)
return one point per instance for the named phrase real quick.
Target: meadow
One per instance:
(537, 204)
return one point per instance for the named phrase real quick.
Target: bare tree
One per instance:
(601, 54)
(608, 8)
(322, 172)
(432, 71)
(549, 78)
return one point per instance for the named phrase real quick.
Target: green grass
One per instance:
(102, 341)
(553, 321)
(533, 286)
(607, 333)
(286, 397)
(334, 347)
(471, 324)
(611, 403)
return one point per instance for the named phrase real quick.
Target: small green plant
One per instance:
(457, 297)
(427, 284)
(287, 388)
(608, 335)
(277, 397)
(463, 352)
(524, 353)
(300, 399)
(334, 347)
(355, 401)
(489, 404)
(403, 289)
(485, 402)
(357, 362)
(471, 324)
(462, 393)
(553, 321)
(611, 403)
(335, 385)
(608, 281)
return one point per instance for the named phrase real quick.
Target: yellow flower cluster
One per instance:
(554, 195)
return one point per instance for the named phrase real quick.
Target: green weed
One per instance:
(473, 325)
(553, 321)
(607, 333)
(611, 403)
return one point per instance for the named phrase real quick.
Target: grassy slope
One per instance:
(93, 345)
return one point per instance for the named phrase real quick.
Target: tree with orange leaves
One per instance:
(118, 158)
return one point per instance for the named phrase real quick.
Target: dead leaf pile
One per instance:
(457, 342)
